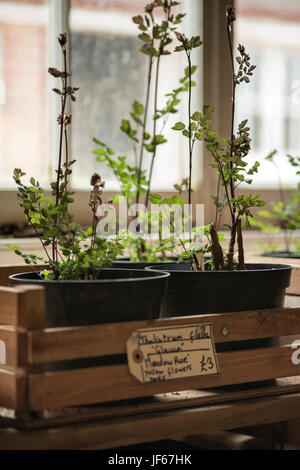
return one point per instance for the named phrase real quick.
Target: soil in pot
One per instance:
(118, 295)
(261, 286)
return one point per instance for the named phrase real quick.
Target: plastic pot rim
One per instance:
(158, 275)
(257, 267)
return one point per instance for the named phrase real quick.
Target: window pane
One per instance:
(270, 32)
(111, 74)
(107, 69)
(23, 116)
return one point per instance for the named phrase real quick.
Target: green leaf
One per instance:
(155, 198)
(266, 214)
(179, 126)
(138, 19)
(145, 37)
(159, 139)
(99, 151)
(208, 109)
(197, 116)
(271, 155)
(138, 108)
(125, 125)
(150, 148)
(97, 141)
(177, 200)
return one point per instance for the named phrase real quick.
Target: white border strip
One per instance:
(14, 13)
(108, 22)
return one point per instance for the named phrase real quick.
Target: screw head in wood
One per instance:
(225, 330)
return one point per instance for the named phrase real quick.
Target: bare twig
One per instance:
(216, 249)
(240, 245)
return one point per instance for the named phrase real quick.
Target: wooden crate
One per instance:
(25, 387)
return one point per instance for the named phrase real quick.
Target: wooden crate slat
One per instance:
(171, 424)
(295, 282)
(8, 270)
(165, 401)
(13, 388)
(108, 339)
(109, 383)
(14, 346)
(8, 306)
(31, 307)
(22, 307)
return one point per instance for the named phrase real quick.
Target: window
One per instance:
(111, 73)
(23, 108)
(270, 31)
(108, 68)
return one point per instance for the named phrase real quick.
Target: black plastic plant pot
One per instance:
(282, 254)
(260, 286)
(193, 293)
(118, 295)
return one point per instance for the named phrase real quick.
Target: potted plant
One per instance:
(284, 216)
(79, 285)
(145, 129)
(223, 283)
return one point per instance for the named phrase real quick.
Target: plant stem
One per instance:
(93, 228)
(217, 202)
(216, 249)
(230, 253)
(188, 54)
(190, 122)
(154, 129)
(232, 110)
(224, 181)
(144, 128)
(155, 103)
(67, 157)
(39, 237)
(195, 260)
(63, 101)
(240, 245)
(236, 223)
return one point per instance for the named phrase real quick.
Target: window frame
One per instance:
(58, 21)
(215, 89)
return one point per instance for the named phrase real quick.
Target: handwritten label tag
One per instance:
(158, 354)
